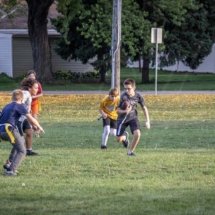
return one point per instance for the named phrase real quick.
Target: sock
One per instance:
(106, 132)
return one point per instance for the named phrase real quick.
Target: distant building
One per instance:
(16, 54)
(207, 66)
(15, 49)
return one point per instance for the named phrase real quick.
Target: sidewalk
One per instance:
(145, 92)
(63, 92)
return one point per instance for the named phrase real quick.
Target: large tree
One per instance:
(87, 34)
(193, 39)
(37, 28)
(86, 30)
(160, 13)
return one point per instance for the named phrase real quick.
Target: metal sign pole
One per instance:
(156, 69)
(156, 37)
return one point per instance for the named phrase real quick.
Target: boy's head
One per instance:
(129, 86)
(114, 92)
(17, 95)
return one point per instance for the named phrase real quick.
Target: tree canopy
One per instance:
(191, 41)
(85, 26)
(87, 31)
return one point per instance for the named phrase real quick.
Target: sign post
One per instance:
(156, 37)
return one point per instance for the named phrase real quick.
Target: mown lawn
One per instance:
(172, 174)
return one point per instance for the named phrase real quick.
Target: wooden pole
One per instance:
(116, 42)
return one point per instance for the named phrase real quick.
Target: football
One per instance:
(125, 105)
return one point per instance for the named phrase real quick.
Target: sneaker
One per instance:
(126, 141)
(7, 165)
(10, 173)
(131, 154)
(31, 153)
(103, 147)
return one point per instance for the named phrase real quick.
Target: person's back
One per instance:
(9, 115)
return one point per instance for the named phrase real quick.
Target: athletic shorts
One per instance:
(111, 122)
(23, 124)
(134, 124)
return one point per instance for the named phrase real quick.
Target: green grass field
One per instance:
(172, 174)
(166, 81)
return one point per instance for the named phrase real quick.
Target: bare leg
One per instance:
(135, 141)
(29, 141)
(28, 138)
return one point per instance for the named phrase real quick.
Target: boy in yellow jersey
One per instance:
(108, 107)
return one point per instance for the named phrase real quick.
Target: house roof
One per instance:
(19, 18)
(24, 32)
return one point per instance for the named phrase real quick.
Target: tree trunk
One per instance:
(102, 67)
(145, 70)
(102, 75)
(37, 29)
(140, 64)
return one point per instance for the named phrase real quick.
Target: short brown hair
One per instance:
(130, 82)
(17, 95)
(114, 92)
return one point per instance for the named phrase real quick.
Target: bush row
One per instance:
(76, 76)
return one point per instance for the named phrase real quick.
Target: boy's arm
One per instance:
(103, 114)
(34, 122)
(37, 96)
(146, 113)
(101, 107)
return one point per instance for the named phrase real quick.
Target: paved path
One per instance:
(145, 92)
(63, 92)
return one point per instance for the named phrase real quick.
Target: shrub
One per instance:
(90, 76)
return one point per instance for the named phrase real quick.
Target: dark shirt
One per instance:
(12, 112)
(133, 100)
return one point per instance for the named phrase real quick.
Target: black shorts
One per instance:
(111, 122)
(23, 124)
(134, 124)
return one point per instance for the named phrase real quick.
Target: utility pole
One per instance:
(116, 43)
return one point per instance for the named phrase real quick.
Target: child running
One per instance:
(9, 119)
(129, 117)
(29, 88)
(107, 109)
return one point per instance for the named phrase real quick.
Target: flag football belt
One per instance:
(8, 129)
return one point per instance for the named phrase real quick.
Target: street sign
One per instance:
(156, 35)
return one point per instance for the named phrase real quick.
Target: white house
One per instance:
(207, 66)
(16, 54)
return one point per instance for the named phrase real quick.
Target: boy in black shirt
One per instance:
(128, 117)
